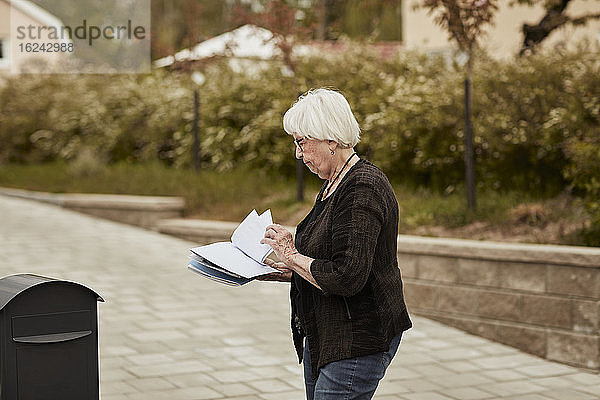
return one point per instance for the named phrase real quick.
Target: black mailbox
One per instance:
(48, 339)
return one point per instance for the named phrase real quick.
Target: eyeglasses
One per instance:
(299, 143)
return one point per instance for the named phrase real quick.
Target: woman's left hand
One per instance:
(281, 241)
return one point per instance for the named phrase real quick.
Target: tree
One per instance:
(184, 23)
(281, 19)
(555, 17)
(464, 20)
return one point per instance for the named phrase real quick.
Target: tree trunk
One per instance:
(321, 19)
(554, 18)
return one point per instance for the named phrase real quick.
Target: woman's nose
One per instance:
(298, 153)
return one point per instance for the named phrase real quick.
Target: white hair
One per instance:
(323, 114)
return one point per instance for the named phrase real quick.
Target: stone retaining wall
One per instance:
(544, 300)
(144, 211)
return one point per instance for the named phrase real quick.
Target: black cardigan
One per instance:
(353, 241)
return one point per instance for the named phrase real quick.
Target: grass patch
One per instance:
(424, 207)
(229, 196)
(209, 194)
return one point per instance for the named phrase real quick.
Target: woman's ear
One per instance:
(332, 144)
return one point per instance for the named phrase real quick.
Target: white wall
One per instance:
(504, 38)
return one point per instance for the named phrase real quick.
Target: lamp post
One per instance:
(198, 78)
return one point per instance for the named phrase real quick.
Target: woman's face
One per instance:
(315, 154)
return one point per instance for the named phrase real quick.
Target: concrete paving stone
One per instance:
(280, 346)
(235, 375)
(115, 374)
(233, 389)
(401, 373)
(584, 378)
(387, 397)
(168, 306)
(503, 375)
(150, 359)
(461, 380)
(194, 393)
(179, 345)
(222, 363)
(270, 385)
(593, 389)
(242, 351)
(160, 324)
(262, 361)
(414, 358)
(511, 388)
(117, 387)
(217, 351)
(145, 384)
(142, 348)
(135, 309)
(297, 383)
(552, 382)
(432, 370)
(114, 397)
(504, 362)
(570, 394)
(433, 344)
(209, 331)
(419, 385)
(426, 396)
(496, 349)
(190, 380)
(391, 388)
(545, 369)
(185, 315)
(461, 366)
(112, 362)
(295, 395)
(184, 367)
(470, 340)
(454, 354)
(468, 393)
(276, 371)
(296, 372)
(239, 340)
(533, 396)
(108, 351)
(409, 345)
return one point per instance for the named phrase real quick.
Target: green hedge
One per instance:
(536, 119)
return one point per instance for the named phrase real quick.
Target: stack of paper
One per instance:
(239, 261)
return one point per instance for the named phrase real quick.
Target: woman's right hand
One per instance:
(284, 276)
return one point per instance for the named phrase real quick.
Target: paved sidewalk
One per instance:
(166, 333)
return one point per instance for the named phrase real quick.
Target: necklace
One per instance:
(331, 183)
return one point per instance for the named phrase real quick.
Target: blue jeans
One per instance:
(350, 379)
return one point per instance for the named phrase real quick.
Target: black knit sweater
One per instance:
(352, 236)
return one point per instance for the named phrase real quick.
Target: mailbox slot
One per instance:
(52, 327)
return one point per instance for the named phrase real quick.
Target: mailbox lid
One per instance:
(13, 285)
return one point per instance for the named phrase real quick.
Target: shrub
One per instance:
(536, 119)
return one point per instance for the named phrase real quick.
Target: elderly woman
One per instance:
(348, 310)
